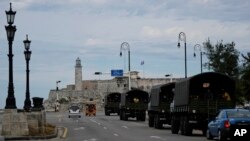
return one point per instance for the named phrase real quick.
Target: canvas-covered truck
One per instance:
(112, 101)
(133, 104)
(161, 97)
(197, 99)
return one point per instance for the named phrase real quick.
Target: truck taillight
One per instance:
(227, 124)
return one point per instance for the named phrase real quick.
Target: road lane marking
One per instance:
(125, 127)
(116, 135)
(105, 128)
(95, 121)
(93, 139)
(157, 137)
(79, 128)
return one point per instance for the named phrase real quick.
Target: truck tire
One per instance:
(121, 118)
(175, 125)
(157, 122)
(124, 116)
(143, 116)
(151, 120)
(107, 113)
(186, 127)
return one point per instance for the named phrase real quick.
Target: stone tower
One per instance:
(78, 75)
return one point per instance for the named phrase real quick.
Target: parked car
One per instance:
(229, 123)
(74, 111)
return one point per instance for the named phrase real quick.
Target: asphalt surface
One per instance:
(110, 128)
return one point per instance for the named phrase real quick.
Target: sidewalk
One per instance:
(60, 134)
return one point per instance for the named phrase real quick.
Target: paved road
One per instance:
(110, 128)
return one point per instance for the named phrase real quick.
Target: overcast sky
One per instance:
(93, 30)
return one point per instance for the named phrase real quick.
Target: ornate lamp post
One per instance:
(10, 30)
(125, 46)
(27, 54)
(182, 37)
(57, 100)
(198, 47)
(57, 89)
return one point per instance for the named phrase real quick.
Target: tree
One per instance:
(222, 58)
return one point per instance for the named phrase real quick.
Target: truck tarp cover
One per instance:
(134, 96)
(113, 97)
(162, 93)
(200, 85)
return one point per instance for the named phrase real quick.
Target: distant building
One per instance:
(83, 90)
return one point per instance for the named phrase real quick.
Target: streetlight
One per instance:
(171, 77)
(27, 53)
(182, 37)
(198, 47)
(57, 101)
(125, 46)
(57, 85)
(10, 30)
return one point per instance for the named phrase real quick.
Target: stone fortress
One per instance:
(83, 90)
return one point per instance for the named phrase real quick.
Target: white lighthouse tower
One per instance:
(78, 75)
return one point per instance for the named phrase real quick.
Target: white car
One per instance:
(74, 111)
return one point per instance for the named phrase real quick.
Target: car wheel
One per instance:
(221, 137)
(208, 135)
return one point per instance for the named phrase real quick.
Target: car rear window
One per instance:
(238, 114)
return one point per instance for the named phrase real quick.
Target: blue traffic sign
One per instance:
(116, 72)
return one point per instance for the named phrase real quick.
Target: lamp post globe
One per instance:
(10, 15)
(10, 30)
(27, 53)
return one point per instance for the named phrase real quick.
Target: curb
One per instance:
(64, 135)
(33, 137)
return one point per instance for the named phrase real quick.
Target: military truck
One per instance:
(111, 103)
(197, 99)
(133, 104)
(161, 97)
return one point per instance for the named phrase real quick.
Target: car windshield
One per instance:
(74, 108)
(238, 114)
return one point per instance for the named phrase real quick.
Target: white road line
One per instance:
(93, 139)
(157, 137)
(125, 127)
(116, 135)
(95, 121)
(79, 128)
(105, 128)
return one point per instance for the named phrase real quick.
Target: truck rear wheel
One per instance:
(150, 120)
(124, 116)
(187, 129)
(175, 125)
(143, 118)
(107, 113)
(121, 118)
(157, 122)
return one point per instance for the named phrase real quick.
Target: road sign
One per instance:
(116, 73)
